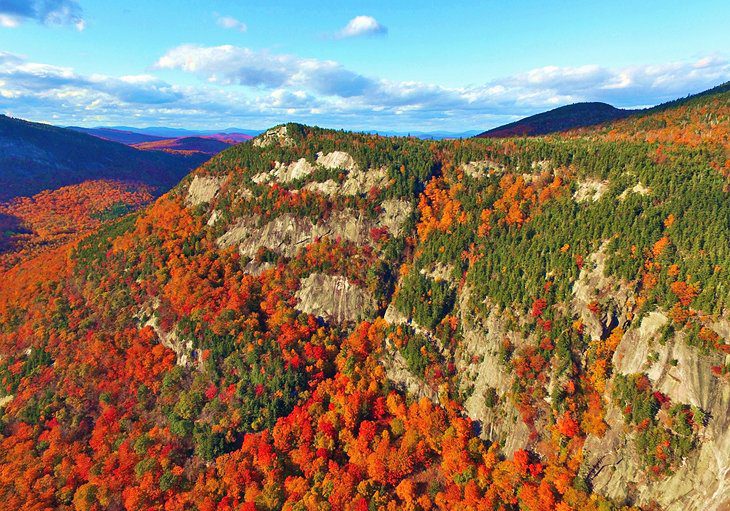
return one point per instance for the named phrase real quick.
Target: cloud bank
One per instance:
(257, 89)
(48, 12)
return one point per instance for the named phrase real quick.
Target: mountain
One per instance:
(166, 132)
(331, 320)
(172, 138)
(559, 119)
(121, 136)
(36, 157)
(585, 118)
(426, 135)
(695, 120)
(186, 145)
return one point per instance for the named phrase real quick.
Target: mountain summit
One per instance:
(563, 118)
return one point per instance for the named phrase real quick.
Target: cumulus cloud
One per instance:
(538, 88)
(231, 23)
(361, 26)
(229, 65)
(49, 12)
(259, 89)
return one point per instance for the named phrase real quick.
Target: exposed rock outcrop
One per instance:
(480, 169)
(590, 190)
(336, 160)
(396, 369)
(334, 298)
(682, 372)
(486, 379)
(394, 216)
(287, 233)
(273, 136)
(283, 173)
(637, 189)
(203, 189)
(600, 302)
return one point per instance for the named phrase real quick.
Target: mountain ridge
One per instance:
(325, 319)
(37, 157)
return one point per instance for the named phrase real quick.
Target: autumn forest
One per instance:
(330, 320)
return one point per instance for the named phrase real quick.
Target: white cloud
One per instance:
(48, 12)
(231, 23)
(362, 26)
(8, 21)
(250, 88)
(229, 65)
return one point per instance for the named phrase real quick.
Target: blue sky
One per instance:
(408, 65)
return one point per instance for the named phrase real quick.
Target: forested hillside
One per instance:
(329, 320)
(36, 157)
(559, 119)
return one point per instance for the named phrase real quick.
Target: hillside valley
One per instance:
(322, 319)
(57, 184)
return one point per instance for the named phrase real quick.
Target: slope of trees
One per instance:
(143, 367)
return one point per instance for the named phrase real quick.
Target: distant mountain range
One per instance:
(187, 145)
(128, 135)
(36, 157)
(425, 135)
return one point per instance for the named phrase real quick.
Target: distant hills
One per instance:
(171, 140)
(585, 115)
(187, 145)
(128, 135)
(36, 157)
(564, 118)
(115, 135)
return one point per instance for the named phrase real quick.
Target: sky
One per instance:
(408, 65)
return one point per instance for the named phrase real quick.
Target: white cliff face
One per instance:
(274, 136)
(487, 380)
(203, 189)
(683, 373)
(480, 169)
(590, 190)
(613, 297)
(356, 181)
(334, 298)
(394, 216)
(288, 233)
(285, 173)
(336, 160)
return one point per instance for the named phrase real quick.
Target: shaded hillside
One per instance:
(702, 118)
(36, 157)
(560, 119)
(186, 145)
(120, 136)
(330, 320)
(166, 132)
(130, 137)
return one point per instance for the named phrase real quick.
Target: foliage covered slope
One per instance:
(29, 225)
(559, 119)
(36, 157)
(185, 145)
(326, 320)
